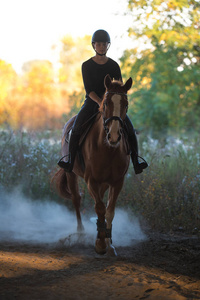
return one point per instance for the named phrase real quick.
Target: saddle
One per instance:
(84, 131)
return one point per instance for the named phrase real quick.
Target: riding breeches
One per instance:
(129, 126)
(88, 109)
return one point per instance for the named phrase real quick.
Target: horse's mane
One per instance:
(116, 86)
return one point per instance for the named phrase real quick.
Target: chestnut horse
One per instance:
(106, 161)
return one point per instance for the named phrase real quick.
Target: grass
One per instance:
(27, 160)
(166, 195)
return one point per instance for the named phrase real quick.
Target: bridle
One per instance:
(116, 118)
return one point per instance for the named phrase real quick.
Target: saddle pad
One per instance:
(86, 127)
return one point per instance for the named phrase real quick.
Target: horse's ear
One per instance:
(107, 81)
(128, 84)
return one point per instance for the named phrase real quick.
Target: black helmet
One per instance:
(101, 36)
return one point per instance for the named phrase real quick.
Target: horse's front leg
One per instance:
(110, 212)
(97, 192)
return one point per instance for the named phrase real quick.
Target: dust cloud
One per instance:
(29, 221)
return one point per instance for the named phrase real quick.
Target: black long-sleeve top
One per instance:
(93, 75)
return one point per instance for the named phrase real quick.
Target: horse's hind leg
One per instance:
(76, 198)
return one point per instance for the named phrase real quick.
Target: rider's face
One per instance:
(101, 47)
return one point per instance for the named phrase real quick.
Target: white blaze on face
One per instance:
(114, 130)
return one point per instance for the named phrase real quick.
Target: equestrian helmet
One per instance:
(101, 36)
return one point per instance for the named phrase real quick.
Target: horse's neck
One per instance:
(100, 132)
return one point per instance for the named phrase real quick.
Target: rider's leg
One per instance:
(73, 146)
(132, 139)
(88, 109)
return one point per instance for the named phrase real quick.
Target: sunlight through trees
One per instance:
(164, 66)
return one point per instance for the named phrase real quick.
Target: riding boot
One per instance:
(133, 144)
(138, 166)
(73, 146)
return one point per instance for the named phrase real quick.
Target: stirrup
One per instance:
(139, 167)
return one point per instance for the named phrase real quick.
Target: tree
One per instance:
(8, 83)
(74, 51)
(39, 97)
(166, 85)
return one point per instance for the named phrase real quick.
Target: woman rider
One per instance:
(94, 71)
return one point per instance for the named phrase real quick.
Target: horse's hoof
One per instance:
(100, 247)
(80, 229)
(62, 241)
(111, 251)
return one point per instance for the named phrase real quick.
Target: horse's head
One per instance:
(114, 108)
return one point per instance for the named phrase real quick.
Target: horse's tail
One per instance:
(59, 181)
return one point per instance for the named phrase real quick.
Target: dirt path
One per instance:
(163, 267)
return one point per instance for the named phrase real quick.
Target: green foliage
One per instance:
(165, 195)
(27, 160)
(166, 75)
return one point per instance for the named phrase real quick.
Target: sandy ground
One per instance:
(162, 267)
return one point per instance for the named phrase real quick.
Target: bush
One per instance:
(166, 195)
(27, 160)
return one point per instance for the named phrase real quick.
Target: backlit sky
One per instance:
(28, 28)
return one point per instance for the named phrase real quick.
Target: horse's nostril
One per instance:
(119, 138)
(109, 136)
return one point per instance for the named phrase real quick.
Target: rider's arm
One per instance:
(89, 81)
(95, 98)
